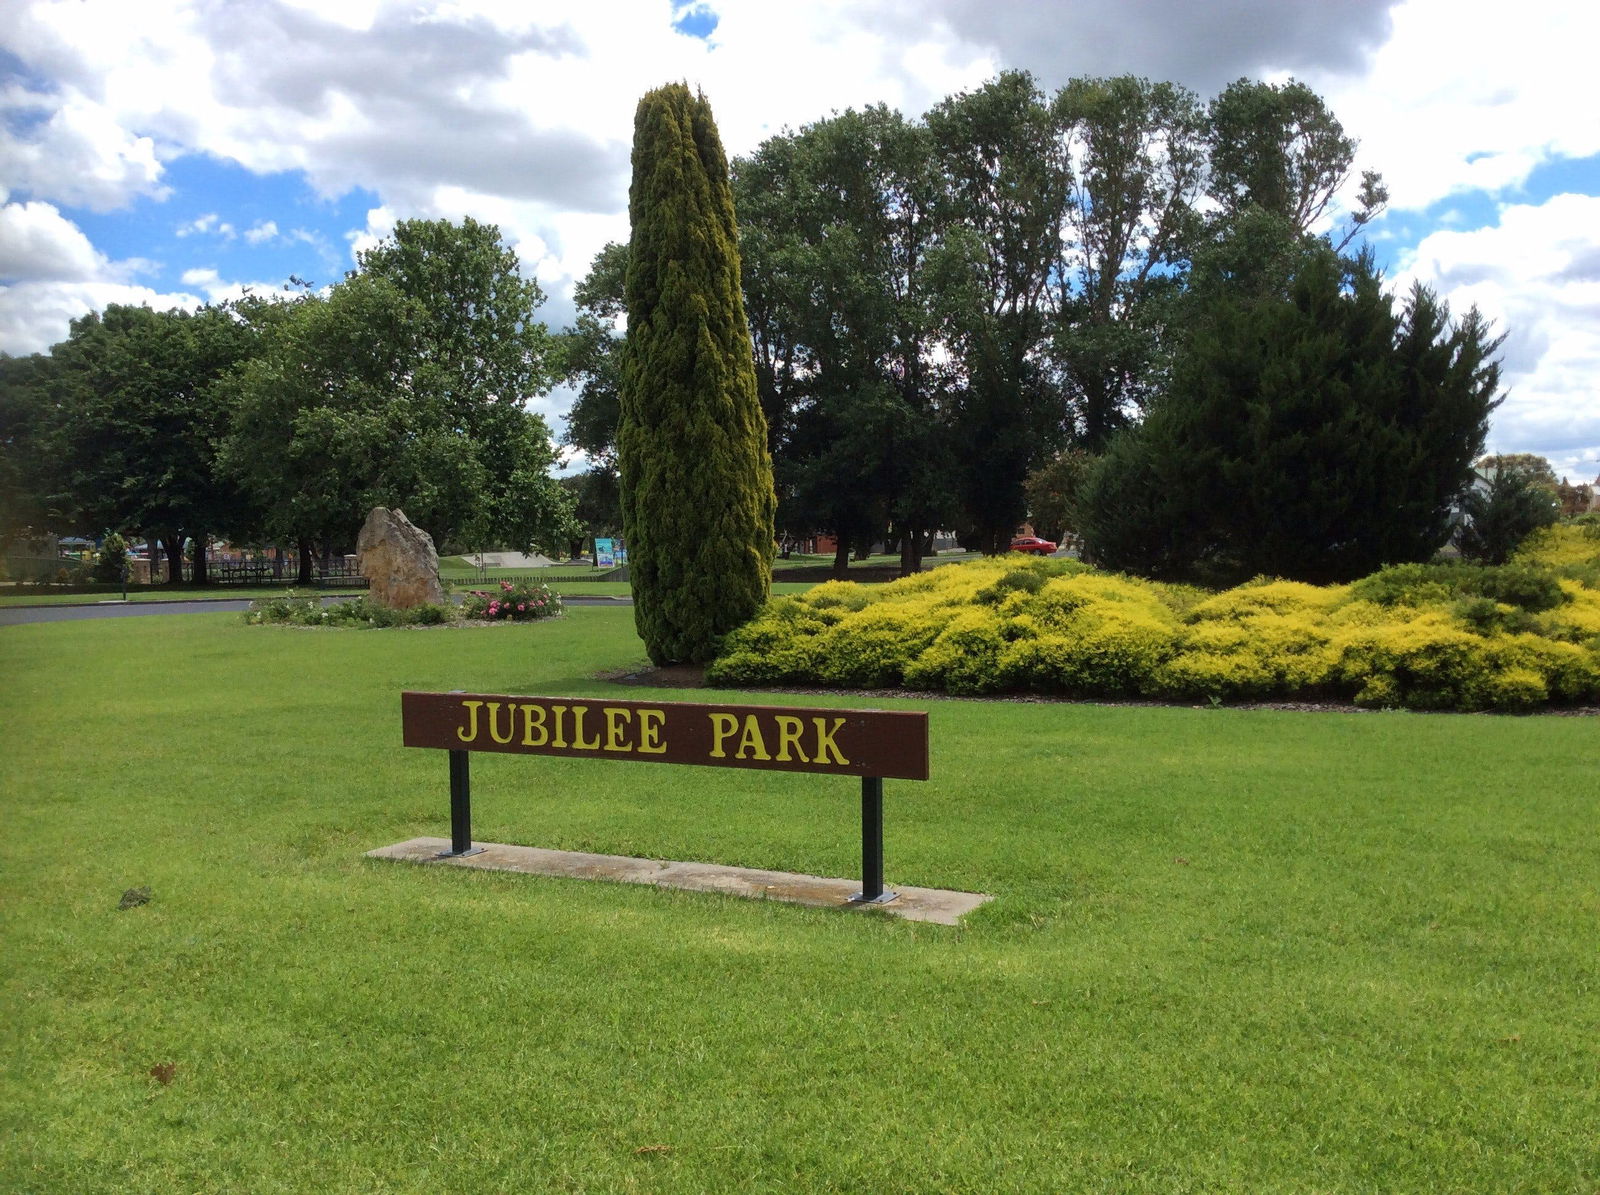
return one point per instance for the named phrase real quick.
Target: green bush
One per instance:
(111, 562)
(307, 610)
(1525, 585)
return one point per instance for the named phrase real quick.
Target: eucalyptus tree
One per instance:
(1137, 156)
(838, 223)
(1005, 181)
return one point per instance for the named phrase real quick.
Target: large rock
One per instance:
(398, 560)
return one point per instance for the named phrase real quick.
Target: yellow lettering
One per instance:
(825, 743)
(532, 720)
(494, 721)
(578, 711)
(617, 719)
(751, 741)
(472, 721)
(650, 732)
(790, 729)
(560, 739)
(722, 727)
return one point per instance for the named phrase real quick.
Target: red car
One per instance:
(1032, 543)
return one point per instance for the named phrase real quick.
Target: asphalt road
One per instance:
(17, 615)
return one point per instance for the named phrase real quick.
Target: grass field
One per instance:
(1229, 950)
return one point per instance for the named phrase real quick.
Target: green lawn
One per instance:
(1229, 950)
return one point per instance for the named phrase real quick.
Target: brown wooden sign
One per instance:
(881, 743)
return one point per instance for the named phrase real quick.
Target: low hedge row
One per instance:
(1447, 636)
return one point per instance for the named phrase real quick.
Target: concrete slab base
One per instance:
(937, 905)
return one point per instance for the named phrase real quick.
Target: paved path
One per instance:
(17, 615)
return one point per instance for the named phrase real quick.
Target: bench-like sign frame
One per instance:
(873, 744)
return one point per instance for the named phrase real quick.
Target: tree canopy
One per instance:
(1317, 436)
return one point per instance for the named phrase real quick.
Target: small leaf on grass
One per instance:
(1181, 859)
(653, 1149)
(134, 897)
(163, 1072)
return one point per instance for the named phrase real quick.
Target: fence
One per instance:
(63, 574)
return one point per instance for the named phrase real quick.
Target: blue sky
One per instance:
(173, 152)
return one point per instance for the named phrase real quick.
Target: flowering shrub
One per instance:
(515, 601)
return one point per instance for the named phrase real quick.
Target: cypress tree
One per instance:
(697, 495)
(1316, 436)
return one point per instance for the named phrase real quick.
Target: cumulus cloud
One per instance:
(79, 154)
(37, 242)
(34, 315)
(1203, 46)
(1536, 273)
(1470, 95)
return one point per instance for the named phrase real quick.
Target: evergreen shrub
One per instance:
(1428, 637)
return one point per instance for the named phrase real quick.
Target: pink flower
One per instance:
(522, 605)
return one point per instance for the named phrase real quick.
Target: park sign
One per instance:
(872, 744)
(882, 743)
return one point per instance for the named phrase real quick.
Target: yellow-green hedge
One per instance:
(1416, 636)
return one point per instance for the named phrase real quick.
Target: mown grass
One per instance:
(1229, 950)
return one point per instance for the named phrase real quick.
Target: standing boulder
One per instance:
(398, 560)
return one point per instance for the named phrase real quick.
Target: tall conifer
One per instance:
(697, 496)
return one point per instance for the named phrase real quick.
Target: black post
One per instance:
(460, 809)
(872, 892)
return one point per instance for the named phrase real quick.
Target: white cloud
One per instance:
(1467, 94)
(209, 224)
(220, 290)
(261, 232)
(34, 315)
(1536, 273)
(37, 242)
(81, 155)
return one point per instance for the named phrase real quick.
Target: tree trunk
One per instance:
(305, 577)
(911, 551)
(198, 570)
(841, 559)
(173, 546)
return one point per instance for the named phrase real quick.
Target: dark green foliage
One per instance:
(111, 562)
(697, 494)
(29, 453)
(406, 387)
(1276, 148)
(1138, 160)
(836, 230)
(1053, 489)
(1316, 437)
(1514, 503)
(142, 411)
(592, 357)
(1528, 587)
(1005, 197)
